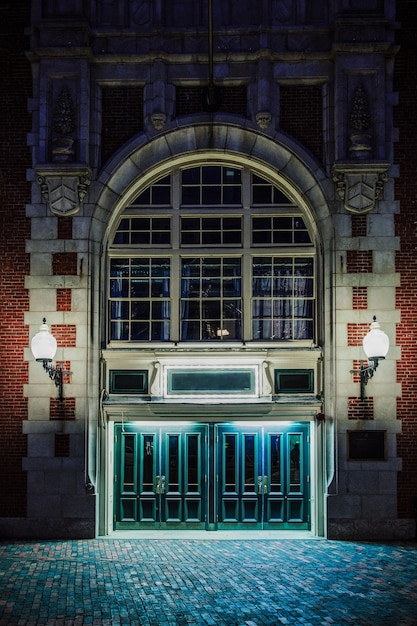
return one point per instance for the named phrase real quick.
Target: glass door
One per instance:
(160, 479)
(262, 476)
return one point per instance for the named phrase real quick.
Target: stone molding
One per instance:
(64, 188)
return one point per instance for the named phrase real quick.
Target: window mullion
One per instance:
(247, 296)
(175, 297)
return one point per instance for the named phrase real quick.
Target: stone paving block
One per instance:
(117, 582)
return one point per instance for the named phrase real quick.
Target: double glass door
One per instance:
(212, 476)
(263, 476)
(160, 477)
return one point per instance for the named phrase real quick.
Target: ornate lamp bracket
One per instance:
(64, 187)
(359, 185)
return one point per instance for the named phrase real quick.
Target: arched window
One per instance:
(211, 253)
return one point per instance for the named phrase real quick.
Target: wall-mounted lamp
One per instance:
(375, 345)
(43, 346)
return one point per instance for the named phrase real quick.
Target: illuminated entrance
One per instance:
(212, 476)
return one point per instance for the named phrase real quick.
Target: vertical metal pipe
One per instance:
(210, 43)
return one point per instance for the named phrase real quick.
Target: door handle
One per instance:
(265, 484)
(162, 484)
(158, 484)
(260, 485)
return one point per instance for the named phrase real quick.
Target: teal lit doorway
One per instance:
(211, 476)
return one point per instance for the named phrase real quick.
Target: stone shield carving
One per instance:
(64, 191)
(360, 187)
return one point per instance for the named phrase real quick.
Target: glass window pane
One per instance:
(191, 176)
(119, 267)
(282, 237)
(294, 444)
(161, 238)
(261, 194)
(119, 310)
(303, 329)
(275, 463)
(211, 238)
(232, 195)
(121, 238)
(212, 175)
(128, 463)
(193, 464)
(148, 463)
(144, 198)
(232, 175)
(161, 195)
(140, 223)
(282, 223)
(160, 330)
(229, 460)
(140, 267)
(140, 331)
(173, 463)
(190, 223)
(249, 464)
(190, 238)
(140, 238)
(211, 195)
(190, 196)
(140, 309)
(303, 267)
(139, 288)
(119, 331)
(119, 288)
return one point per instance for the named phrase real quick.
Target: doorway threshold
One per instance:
(217, 535)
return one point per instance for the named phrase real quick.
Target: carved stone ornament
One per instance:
(358, 185)
(63, 128)
(263, 119)
(360, 122)
(64, 188)
(158, 120)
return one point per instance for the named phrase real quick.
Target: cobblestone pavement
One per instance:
(187, 582)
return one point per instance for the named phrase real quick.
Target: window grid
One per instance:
(211, 185)
(279, 230)
(212, 230)
(211, 296)
(139, 304)
(266, 194)
(283, 298)
(133, 231)
(157, 194)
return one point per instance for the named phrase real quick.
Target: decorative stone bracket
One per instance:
(64, 187)
(359, 185)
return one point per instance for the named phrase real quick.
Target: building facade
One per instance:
(209, 204)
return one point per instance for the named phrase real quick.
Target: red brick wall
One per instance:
(406, 261)
(359, 261)
(122, 117)
(359, 298)
(359, 223)
(301, 115)
(64, 264)
(15, 88)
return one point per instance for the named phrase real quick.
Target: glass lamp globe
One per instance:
(43, 344)
(376, 342)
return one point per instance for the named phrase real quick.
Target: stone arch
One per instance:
(146, 158)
